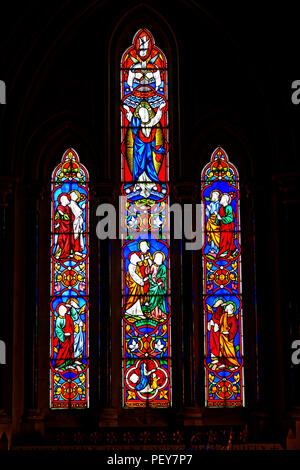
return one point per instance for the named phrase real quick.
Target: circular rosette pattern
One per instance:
(146, 378)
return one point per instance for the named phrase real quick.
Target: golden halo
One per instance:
(77, 194)
(74, 300)
(144, 104)
(164, 256)
(215, 191)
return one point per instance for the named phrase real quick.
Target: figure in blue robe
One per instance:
(144, 141)
(143, 149)
(145, 378)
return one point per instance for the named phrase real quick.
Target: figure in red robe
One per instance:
(63, 224)
(228, 330)
(64, 339)
(213, 327)
(77, 222)
(223, 327)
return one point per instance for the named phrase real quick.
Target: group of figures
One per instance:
(69, 285)
(69, 225)
(144, 147)
(222, 327)
(146, 312)
(222, 284)
(68, 343)
(146, 281)
(220, 226)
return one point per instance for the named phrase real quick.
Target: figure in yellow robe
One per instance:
(228, 330)
(212, 224)
(135, 283)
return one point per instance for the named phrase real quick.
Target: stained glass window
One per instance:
(69, 305)
(146, 324)
(222, 284)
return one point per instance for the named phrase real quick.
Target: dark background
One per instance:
(231, 67)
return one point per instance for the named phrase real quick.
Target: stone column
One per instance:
(107, 298)
(32, 194)
(189, 340)
(7, 249)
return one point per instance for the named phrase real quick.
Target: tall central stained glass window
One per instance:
(146, 323)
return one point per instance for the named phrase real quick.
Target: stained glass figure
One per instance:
(69, 305)
(222, 284)
(146, 310)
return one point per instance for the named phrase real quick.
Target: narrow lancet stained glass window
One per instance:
(146, 310)
(69, 305)
(222, 284)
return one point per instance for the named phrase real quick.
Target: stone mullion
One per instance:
(108, 314)
(191, 347)
(6, 242)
